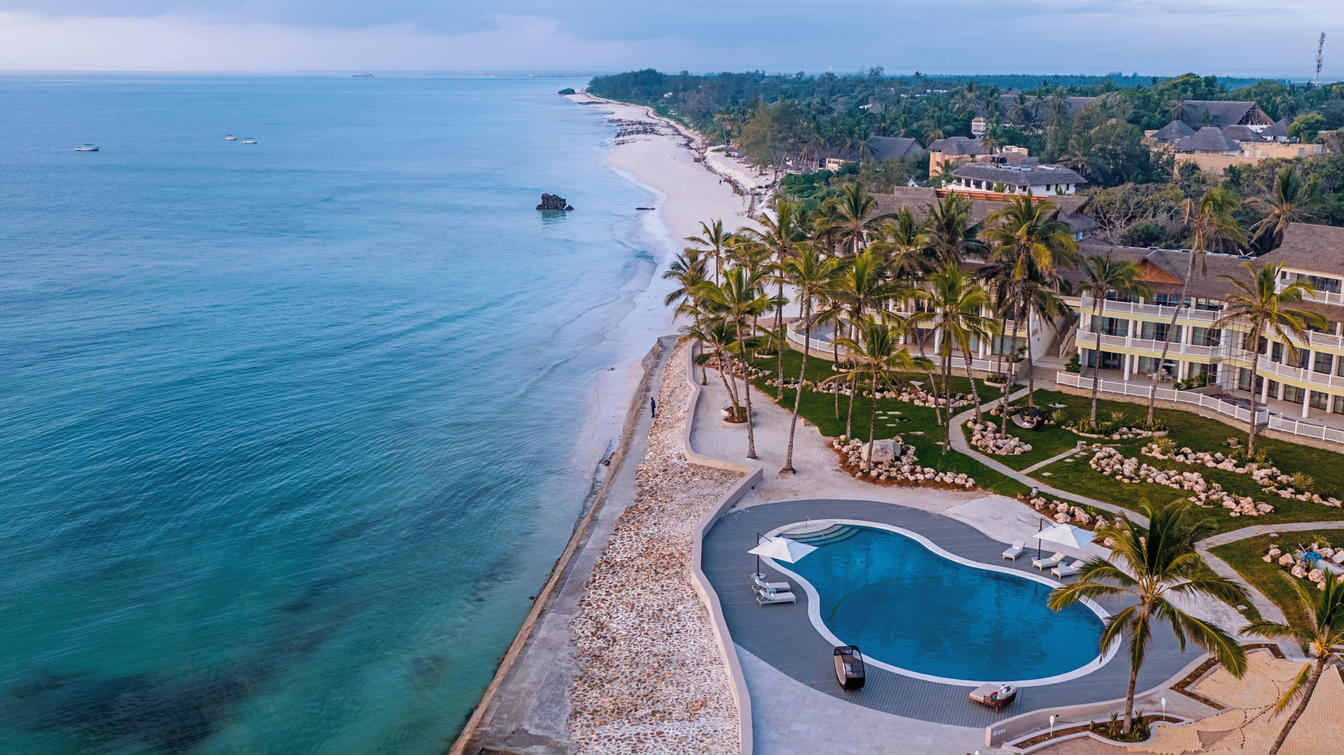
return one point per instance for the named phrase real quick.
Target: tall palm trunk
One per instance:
(1003, 328)
(1255, 369)
(783, 341)
(1166, 342)
(947, 393)
(1012, 365)
(1128, 722)
(728, 378)
(1031, 368)
(802, 376)
(1301, 706)
(975, 393)
(853, 387)
(835, 359)
(746, 386)
(1097, 310)
(872, 417)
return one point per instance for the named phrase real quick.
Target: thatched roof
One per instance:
(956, 145)
(1207, 139)
(894, 148)
(1173, 131)
(1277, 130)
(1018, 175)
(1242, 134)
(919, 199)
(1222, 113)
(1311, 247)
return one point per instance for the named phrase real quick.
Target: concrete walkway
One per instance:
(528, 712)
(1268, 609)
(962, 445)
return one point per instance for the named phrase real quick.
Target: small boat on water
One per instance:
(249, 141)
(87, 148)
(230, 138)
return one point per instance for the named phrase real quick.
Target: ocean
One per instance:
(290, 431)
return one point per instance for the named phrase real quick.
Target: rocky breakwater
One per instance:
(651, 678)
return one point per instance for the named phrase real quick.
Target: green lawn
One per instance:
(1185, 429)
(1072, 474)
(819, 409)
(1271, 579)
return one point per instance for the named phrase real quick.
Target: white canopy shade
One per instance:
(1066, 535)
(782, 549)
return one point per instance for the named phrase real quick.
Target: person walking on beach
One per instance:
(653, 407)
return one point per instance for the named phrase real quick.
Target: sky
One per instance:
(1152, 37)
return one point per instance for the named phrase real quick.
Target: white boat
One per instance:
(249, 141)
(230, 138)
(87, 148)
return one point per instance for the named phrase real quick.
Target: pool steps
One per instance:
(832, 534)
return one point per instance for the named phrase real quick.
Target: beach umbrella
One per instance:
(1066, 536)
(780, 549)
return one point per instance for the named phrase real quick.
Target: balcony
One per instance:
(1085, 303)
(1153, 346)
(1307, 377)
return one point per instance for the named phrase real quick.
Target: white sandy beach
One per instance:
(687, 194)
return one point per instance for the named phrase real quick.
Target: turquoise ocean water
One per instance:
(287, 430)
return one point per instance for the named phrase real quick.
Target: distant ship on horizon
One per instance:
(361, 76)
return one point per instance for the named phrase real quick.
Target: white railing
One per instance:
(1309, 377)
(1140, 388)
(1325, 340)
(1066, 343)
(815, 344)
(1150, 344)
(1306, 429)
(1116, 308)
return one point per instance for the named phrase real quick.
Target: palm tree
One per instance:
(1214, 222)
(1262, 307)
(716, 333)
(949, 232)
(813, 275)
(1318, 627)
(1102, 276)
(862, 284)
(955, 302)
(879, 355)
(854, 209)
(781, 228)
(1291, 201)
(1029, 240)
(712, 241)
(739, 298)
(689, 272)
(1155, 564)
(902, 242)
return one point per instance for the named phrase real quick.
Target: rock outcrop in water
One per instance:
(554, 202)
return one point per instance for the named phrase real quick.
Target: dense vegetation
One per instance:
(787, 122)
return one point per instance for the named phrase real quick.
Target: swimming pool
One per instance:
(920, 611)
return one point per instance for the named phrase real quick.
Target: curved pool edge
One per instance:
(814, 605)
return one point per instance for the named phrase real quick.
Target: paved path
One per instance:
(1049, 461)
(960, 443)
(1268, 609)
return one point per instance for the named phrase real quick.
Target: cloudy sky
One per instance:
(1240, 37)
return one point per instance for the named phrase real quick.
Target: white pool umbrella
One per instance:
(1066, 535)
(780, 549)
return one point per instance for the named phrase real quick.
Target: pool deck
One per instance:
(784, 638)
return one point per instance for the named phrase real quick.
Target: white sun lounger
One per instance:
(1067, 570)
(759, 584)
(1046, 563)
(1338, 557)
(1012, 553)
(771, 598)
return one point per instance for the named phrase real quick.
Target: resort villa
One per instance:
(1020, 177)
(879, 148)
(1304, 391)
(1215, 135)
